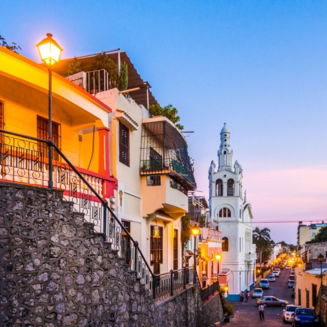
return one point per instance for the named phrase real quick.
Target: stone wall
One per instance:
(212, 311)
(56, 271)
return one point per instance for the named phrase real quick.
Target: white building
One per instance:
(233, 214)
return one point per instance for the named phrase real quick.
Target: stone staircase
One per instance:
(55, 270)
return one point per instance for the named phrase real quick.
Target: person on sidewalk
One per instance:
(261, 309)
(242, 296)
(247, 293)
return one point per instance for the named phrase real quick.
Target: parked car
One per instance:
(288, 312)
(257, 292)
(276, 273)
(305, 317)
(288, 267)
(271, 278)
(271, 301)
(264, 284)
(291, 284)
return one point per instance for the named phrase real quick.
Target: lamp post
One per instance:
(50, 52)
(218, 259)
(321, 259)
(195, 233)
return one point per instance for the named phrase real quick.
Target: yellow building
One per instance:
(307, 286)
(80, 130)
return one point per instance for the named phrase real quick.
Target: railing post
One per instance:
(154, 285)
(136, 245)
(105, 221)
(171, 282)
(184, 277)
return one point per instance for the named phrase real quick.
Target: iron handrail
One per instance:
(104, 202)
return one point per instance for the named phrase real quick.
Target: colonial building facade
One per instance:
(230, 210)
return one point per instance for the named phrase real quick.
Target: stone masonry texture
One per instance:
(56, 271)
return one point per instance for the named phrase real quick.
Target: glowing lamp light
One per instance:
(156, 232)
(49, 50)
(218, 257)
(226, 289)
(195, 231)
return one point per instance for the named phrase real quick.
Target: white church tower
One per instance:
(230, 210)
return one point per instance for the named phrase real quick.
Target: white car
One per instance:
(276, 273)
(257, 293)
(288, 312)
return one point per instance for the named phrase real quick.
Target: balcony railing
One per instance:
(97, 81)
(173, 282)
(169, 166)
(24, 160)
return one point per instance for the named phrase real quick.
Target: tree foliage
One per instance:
(13, 46)
(168, 111)
(103, 61)
(186, 229)
(321, 236)
(264, 243)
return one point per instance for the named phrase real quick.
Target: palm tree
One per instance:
(262, 240)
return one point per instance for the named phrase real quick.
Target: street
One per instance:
(246, 314)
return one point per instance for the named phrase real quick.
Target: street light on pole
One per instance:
(321, 259)
(195, 232)
(218, 259)
(50, 53)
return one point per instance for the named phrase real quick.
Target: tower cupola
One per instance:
(225, 152)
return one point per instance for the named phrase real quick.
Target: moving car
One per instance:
(272, 301)
(305, 317)
(291, 284)
(271, 278)
(257, 292)
(276, 273)
(288, 312)
(264, 284)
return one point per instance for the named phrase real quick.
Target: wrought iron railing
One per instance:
(159, 165)
(171, 283)
(24, 159)
(209, 291)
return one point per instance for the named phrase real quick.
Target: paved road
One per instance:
(246, 314)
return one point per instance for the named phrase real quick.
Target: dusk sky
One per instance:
(260, 66)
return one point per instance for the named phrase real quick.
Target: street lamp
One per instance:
(50, 52)
(218, 259)
(195, 232)
(321, 259)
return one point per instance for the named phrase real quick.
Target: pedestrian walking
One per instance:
(261, 309)
(247, 293)
(242, 296)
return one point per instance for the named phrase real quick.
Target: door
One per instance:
(156, 248)
(126, 245)
(314, 294)
(175, 250)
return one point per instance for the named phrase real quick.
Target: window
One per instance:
(155, 160)
(156, 248)
(299, 296)
(230, 187)
(225, 244)
(224, 213)
(43, 133)
(153, 180)
(123, 144)
(314, 295)
(219, 187)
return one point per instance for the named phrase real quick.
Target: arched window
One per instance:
(230, 187)
(224, 213)
(219, 187)
(225, 244)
